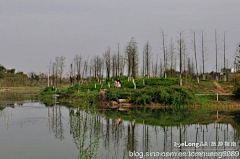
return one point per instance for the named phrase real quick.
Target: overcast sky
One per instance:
(34, 31)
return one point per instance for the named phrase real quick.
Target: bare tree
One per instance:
(78, 63)
(107, 57)
(216, 49)
(172, 55)
(118, 61)
(195, 50)
(161, 68)
(184, 54)
(53, 74)
(61, 67)
(203, 50)
(91, 66)
(180, 55)
(49, 72)
(85, 69)
(224, 54)
(71, 74)
(95, 67)
(237, 58)
(56, 71)
(152, 68)
(122, 64)
(189, 66)
(128, 60)
(143, 65)
(132, 58)
(164, 54)
(98, 67)
(114, 65)
(147, 55)
(156, 68)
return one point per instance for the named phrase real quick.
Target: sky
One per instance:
(34, 31)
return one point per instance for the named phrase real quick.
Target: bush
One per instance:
(174, 96)
(47, 90)
(236, 89)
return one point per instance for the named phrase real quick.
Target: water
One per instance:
(31, 130)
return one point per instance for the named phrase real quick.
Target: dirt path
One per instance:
(220, 89)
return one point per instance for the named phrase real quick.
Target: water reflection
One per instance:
(55, 122)
(85, 129)
(35, 131)
(9, 99)
(118, 140)
(11, 96)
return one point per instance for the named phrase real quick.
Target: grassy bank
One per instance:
(160, 91)
(174, 96)
(154, 90)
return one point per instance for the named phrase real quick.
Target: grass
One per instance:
(204, 99)
(172, 95)
(164, 95)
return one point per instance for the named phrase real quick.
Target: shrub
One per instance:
(47, 90)
(236, 89)
(174, 96)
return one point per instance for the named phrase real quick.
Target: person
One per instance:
(115, 83)
(118, 121)
(119, 84)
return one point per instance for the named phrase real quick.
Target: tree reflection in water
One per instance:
(55, 122)
(85, 129)
(97, 136)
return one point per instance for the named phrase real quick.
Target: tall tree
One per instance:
(71, 74)
(78, 64)
(147, 55)
(189, 66)
(143, 64)
(114, 65)
(224, 56)
(172, 55)
(118, 61)
(61, 67)
(180, 42)
(237, 59)
(161, 68)
(85, 69)
(195, 51)
(216, 50)
(107, 57)
(128, 60)
(49, 72)
(132, 58)
(122, 64)
(156, 68)
(203, 50)
(56, 71)
(164, 53)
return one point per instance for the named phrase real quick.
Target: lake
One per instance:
(30, 130)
